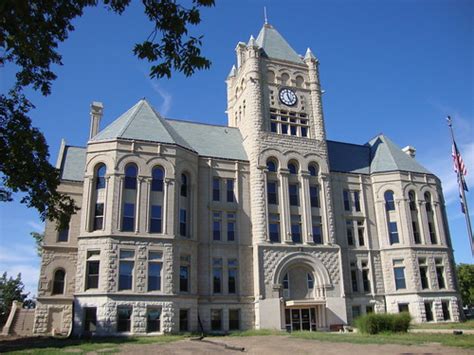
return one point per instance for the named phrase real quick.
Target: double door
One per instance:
(300, 319)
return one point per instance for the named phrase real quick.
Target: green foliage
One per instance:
(30, 33)
(465, 274)
(10, 290)
(375, 323)
(39, 239)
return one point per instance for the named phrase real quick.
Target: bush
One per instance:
(382, 322)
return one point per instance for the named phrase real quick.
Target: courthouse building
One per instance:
(262, 223)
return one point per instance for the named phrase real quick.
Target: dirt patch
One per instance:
(275, 345)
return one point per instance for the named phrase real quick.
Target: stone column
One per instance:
(119, 203)
(319, 132)
(438, 223)
(424, 230)
(147, 211)
(137, 204)
(306, 221)
(326, 205)
(285, 223)
(87, 203)
(107, 222)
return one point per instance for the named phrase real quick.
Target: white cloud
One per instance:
(165, 95)
(38, 227)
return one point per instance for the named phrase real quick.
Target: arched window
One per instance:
(184, 185)
(299, 81)
(428, 202)
(313, 169)
(272, 165)
(131, 172)
(389, 201)
(412, 199)
(293, 168)
(100, 176)
(285, 78)
(157, 178)
(310, 281)
(270, 76)
(58, 282)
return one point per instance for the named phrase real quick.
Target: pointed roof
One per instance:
(387, 156)
(142, 122)
(275, 46)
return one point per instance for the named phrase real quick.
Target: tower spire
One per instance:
(265, 15)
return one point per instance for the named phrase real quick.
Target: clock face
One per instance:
(288, 97)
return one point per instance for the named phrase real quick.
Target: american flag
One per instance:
(458, 163)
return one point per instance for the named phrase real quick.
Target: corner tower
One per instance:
(274, 98)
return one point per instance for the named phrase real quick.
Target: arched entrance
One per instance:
(303, 280)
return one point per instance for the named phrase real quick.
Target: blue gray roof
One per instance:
(273, 45)
(143, 122)
(378, 155)
(73, 163)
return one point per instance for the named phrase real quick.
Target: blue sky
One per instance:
(396, 67)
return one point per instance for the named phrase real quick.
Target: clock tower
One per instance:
(274, 98)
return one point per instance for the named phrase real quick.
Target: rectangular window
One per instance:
(272, 193)
(432, 233)
(429, 311)
(293, 190)
(63, 234)
(273, 127)
(424, 274)
(184, 276)
(317, 230)
(182, 222)
(399, 272)
(440, 273)
(216, 189)
(232, 266)
(284, 128)
(153, 316)
(126, 265)
(393, 233)
(230, 190)
(357, 201)
(360, 233)
(365, 276)
(347, 201)
(355, 312)
(217, 275)
(446, 313)
(304, 131)
(274, 227)
(216, 319)
(99, 216)
(314, 196)
(293, 130)
(154, 270)
(230, 231)
(124, 317)
(216, 226)
(184, 320)
(234, 319)
(369, 309)
(355, 284)
(92, 269)
(416, 232)
(403, 307)
(296, 228)
(350, 232)
(90, 319)
(130, 182)
(128, 219)
(155, 219)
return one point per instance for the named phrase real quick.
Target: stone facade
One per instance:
(277, 237)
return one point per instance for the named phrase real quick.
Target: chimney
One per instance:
(97, 110)
(410, 151)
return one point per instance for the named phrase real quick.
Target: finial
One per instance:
(309, 54)
(265, 15)
(251, 42)
(232, 72)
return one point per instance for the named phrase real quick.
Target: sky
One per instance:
(396, 67)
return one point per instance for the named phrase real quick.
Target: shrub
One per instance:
(382, 322)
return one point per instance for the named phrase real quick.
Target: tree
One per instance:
(39, 238)
(30, 32)
(465, 273)
(10, 290)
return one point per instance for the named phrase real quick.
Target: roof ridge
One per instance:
(348, 143)
(199, 123)
(138, 106)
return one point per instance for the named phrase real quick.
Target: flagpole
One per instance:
(461, 188)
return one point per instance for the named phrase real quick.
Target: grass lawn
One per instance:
(465, 325)
(463, 341)
(78, 346)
